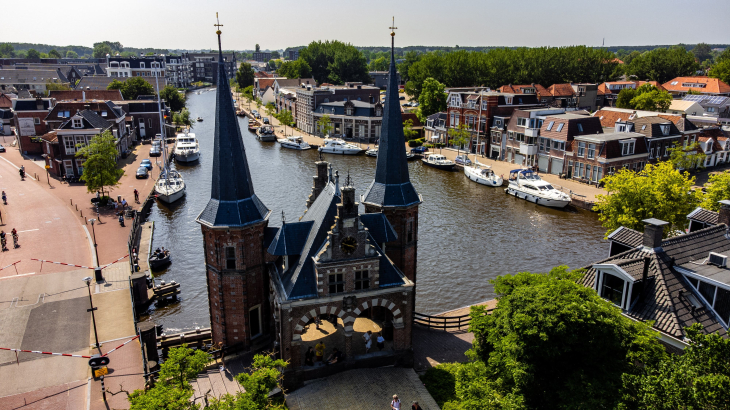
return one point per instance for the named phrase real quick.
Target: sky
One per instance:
(188, 24)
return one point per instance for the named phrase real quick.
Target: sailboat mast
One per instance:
(162, 130)
(479, 124)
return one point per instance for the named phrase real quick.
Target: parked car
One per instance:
(462, 160)
(2, 149)
(254, 111)
(155, 151)
(157, 143)
(266, 120)
(142, 172)
(419, 150)
(147, 164)
(402, 97)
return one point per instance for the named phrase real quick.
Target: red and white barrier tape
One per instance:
(109, 264)
(48, 353)
(9, 265)
(121, 345)
(60, 263)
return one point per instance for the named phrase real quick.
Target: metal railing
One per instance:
(441, 322)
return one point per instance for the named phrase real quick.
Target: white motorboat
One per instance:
(170, 187)
(339, 146)
(187, 148)
(296, 143)
(266, 133)
(438, 161)
(527, 185)
(372, 152)
(483, 175)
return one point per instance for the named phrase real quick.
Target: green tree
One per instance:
(624, 98)
(324, 125)
(379, 64)
(432, 99)
(264, 377)
(650, 98)
(551, 341)
(71, 54)
(408, 130)
(295, 69)
(410, 58)
(335, 62)
(248, 93)
(663, 64)
(459, 137)
(175, 99)
(183, 364)
(702, 52)
(32, 53)
(100, 163)
(56, 86)
(182, 118)
(285, 118)
(697, 379)
(687, 157)
(53, 53)
(132, 87)
(7, 50)
(658, 191)
(101, 50)
(721, 70)
(717, 189)
(244, 75)
(275, 54)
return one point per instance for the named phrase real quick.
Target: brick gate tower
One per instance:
(233, 224)
(391, 192)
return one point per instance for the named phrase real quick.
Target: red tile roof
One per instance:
(712, 85)
(608, 117)
(517, 89)
(561, 90)
(654, 83)
(5, 101)
(106, 95)
(265, 83)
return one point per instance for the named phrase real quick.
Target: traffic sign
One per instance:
(48, 167)
(98, 361)
(101, 372)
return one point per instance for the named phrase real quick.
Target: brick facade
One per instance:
(233, 292)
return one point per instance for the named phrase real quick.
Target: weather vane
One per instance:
(218, 24)
(393, 28)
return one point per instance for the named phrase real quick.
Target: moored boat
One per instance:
(372, 152)
(187, 148)
(265, 133)
(438, 161)
(200, 119)
(483, 174)
(527, 185)
(159, 259)
(339, 146)
(296, 143)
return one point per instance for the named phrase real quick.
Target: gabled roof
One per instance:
(627, 237)
(519, 89)
(391, 186)
(113, 112)
(290, 238)
(651, 127)
(704, 215)
(91, 120)
(663, 299)
(294, 82)
(681, 105)
(106, 95)
(711, 85)
(379, 226)
(561, 90)
(232, 198)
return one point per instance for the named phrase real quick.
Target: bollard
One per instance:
(82, 213)
(72, 201)
(77, 207)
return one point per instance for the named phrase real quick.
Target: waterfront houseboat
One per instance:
(265, 133)
(438, 161)
(296, 143)
(483, 175)
(527, 185)
(252, 125)
(339, 146)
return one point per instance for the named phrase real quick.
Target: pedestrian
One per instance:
(124, 204)
(335, 357)
(136, 196)
(415, 406)
(3, 241)
(309, 357)
(5, 198)
(319, 351)
(368, 336)
(121, 220)
(381, 341)
(14, 233)
(395, 404)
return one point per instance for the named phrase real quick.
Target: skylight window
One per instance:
(580, 127)
(675, 82)
(560, 127)
(550, 125)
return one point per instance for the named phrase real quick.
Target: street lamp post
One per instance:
(91, 303)
(97, 269)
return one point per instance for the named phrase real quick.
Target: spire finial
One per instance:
(393, 28)
(283, 217)
(218, 31)
(348, 180)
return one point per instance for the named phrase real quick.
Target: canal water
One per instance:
(469, 233)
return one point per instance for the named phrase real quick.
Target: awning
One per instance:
(435, 137)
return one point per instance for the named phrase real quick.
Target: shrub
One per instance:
(415, 143)
(428, 145)
(440, 381)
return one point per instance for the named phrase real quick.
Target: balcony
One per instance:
(532, 132)
(528, 149)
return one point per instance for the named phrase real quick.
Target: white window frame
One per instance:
(628, 147)
(591, 154)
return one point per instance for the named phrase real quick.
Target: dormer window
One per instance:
(612, 289)
(378, 112)
(76, 123)
(665, 129)
(103, 113)
(627, 147)
(348, 110)
(508, 100)
(580, 127)
(141, 65)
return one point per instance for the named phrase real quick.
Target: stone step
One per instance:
(204, 386)
(216, 380)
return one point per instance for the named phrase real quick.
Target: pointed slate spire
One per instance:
(232, 198)
(392, 185)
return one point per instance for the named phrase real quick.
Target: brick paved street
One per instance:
(365, 389)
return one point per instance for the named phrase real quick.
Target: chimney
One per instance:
(39, 103)
(320, 181)
(653, 231)
(724, 214)
(684, 115)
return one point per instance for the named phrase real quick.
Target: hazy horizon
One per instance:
(291, 23)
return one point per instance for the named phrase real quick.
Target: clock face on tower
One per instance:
(348, 245)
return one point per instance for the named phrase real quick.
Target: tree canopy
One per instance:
(244, 75)
(174, 98)
(702, 51)
(721, 71)
(54, 53)
(647, 97)
(551, 340)
(324, 125)
(101, 50)
(717, 189)
(432, 99)
(100, 162)
(182, 118)
(132, 87)
(7, 50)
(335, 62)
(295, 69)
(379, 64)
(658, 191)
(662, 65)
(72, 54)
(33, 54)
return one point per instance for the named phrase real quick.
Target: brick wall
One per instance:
(403, 252)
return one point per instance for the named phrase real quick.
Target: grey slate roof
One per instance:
(379, 227)
(627, 236)
(290, 238)
(232, 198)
(704, 215)
(29, 104)
(392, 185)
(90, 120)
(6, 113)
(662, 299)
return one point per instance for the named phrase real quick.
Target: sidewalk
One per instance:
(499, 167)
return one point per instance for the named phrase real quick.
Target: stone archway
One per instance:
(382, 302)
(321, 310)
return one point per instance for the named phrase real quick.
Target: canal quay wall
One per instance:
(583, 195)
